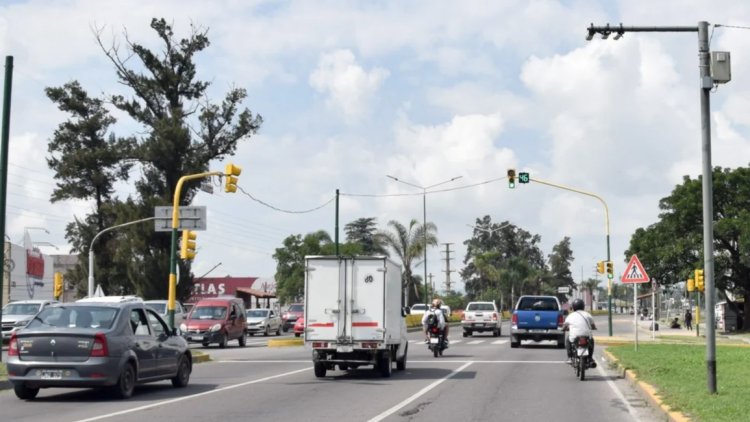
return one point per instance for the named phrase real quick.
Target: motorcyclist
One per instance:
(579, 323)
(438, 312)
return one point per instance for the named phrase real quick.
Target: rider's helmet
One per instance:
(578, 305)
(437, 303)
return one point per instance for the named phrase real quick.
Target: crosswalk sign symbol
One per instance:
(634, 272)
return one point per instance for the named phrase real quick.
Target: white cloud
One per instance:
(348, 86)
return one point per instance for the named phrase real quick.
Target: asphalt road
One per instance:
(479, 378)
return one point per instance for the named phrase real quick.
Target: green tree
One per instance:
(672, 248)
(559, 268)
(182, 132)
(408, 243)
(290, 263)
(591, 285)
(363, 231)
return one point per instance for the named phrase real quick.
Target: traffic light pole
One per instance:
(606, 228)
(173, 247)
(706, 83)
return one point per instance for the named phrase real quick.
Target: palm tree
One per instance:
(408, 243)
(591, 285)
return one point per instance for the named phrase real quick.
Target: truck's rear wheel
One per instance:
(466, 333)
(514, 343)
(385, 364)
(320, 369)
(401, 363)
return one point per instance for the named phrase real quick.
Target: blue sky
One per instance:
(423, 90)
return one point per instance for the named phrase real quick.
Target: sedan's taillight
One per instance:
(99, 349)
(514, 320)
(560, 320)
(13, 345)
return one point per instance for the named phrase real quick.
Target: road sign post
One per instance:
(635, 274)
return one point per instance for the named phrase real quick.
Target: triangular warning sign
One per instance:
(634, 272)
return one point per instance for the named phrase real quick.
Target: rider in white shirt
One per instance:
(579, 323)
(435, 310)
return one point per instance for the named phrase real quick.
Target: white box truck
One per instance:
(353, 313)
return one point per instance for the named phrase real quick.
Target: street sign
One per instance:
(523, 177)
(563, 289)
(634, 272)
(191, 218)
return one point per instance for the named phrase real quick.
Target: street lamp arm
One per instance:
(593, 195)
(442, 183)
(404, 182)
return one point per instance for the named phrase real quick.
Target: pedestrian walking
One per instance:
(688, 320)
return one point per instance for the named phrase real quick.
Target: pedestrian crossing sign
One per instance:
(634, 272)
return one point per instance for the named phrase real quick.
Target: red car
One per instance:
(288, 318)
(299, 326)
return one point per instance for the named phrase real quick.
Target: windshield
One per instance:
(74, 317)
(297, 308)
(209, 312)
(538, 304)
(160, 308)
(257, 313)
(21, 309)
(419, 307)
(480, 307)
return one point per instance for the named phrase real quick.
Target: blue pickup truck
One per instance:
(537, 318)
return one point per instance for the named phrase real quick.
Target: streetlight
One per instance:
(488, 230)
(424, 217)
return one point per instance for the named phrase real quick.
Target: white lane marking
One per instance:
(446, 359)
(499, 341)
(614, 388)
(179, 399)
(456, 341)
(475, 342)
(416, 395)
(259, 361)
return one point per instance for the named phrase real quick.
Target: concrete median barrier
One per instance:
(286, 342)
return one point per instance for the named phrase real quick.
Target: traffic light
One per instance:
(511, 178)
(610, 269)
(690, 285)
(231, 172)
(58, 285)
(699, 282)
(600, 267)
(187, 247)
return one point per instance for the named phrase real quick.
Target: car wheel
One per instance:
(223, 341)
(385, 364)
(243, 341)
(285, 328)
(320, 369)
(126, 383)
(495, 333)
(278, 330)
(401, 363)
(266, 332)
(183, 373)
(514, 343)
(296, 334)
(561, 343)
(466, 333)
(251, 334)
(204, 344)
(25, 393)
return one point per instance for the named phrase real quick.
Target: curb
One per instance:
(647, 390)
(201, 357)
(285, 342)
(5, 385)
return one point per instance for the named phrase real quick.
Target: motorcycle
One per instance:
(581, 359)
(437, 342)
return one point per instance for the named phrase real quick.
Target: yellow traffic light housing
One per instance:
(58, 285)
(511, 178)
(610, 269)
(187, 246)
(699, 281)
(231, 172)
(690, 285)
(600, 267)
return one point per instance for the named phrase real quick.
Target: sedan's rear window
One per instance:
(74, 317)
(21, 309)
(297, 308)
(160, 308)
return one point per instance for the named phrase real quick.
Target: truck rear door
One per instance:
(324, 299)
(367, 298)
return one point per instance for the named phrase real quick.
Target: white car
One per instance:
(264, 321)
(480, 317)
(160, 306)
(419, 309)
(17, 314)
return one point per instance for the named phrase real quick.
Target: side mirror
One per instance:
(405, 311)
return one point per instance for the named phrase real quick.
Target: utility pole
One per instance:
(4, 136)
(708, 78)
(432, 285)
(447, 269)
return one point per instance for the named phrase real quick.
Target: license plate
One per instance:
(480, 325)
(537, 331)
(196, 338)
(583, 351)
(433, 340)
(51, 374)
(345, 349)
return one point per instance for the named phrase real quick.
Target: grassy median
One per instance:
(3, 372)
(678, 372)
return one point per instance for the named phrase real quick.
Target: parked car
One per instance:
(216, 320)
(160, 306)
(481, 317)
(419, 309)
(299, 327)
(17, 314)
(446, 310)
(114, 342)
(295, 311)
(263, 321)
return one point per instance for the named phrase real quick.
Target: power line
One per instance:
(384, 195)
(283, 210)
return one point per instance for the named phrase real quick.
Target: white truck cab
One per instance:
(354, 314)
